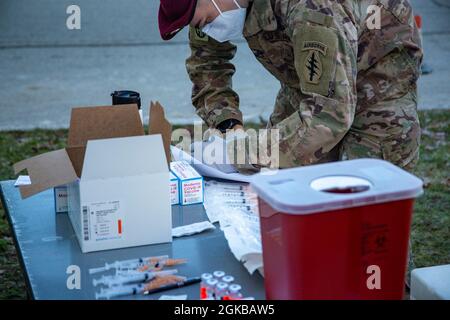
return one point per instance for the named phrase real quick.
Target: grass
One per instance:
(431, 223)
(430, 229)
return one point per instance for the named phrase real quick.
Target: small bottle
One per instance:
(211, 288)
(218, 274)
(204, 285)
(235, 291)
(221, 290)
(205, 277)
(228, 279)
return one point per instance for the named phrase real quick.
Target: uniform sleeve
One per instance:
(325, 61)
(211, 71)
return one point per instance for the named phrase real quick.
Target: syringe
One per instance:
(120, 291)
(159, 264)
(223, 186)
(117, 280)
(126, 264)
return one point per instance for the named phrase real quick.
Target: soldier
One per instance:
(348, 87)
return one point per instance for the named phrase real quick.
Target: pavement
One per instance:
(46, 69)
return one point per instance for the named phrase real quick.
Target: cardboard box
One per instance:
(60, 195)
(190, 182)
(116, 177)
(174, 189)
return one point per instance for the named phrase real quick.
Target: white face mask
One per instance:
(228, 25)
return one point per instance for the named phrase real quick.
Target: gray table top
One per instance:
(47, 246)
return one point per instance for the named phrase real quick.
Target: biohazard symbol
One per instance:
(313, 67)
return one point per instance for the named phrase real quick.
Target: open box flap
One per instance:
(89, 123)
(158, 124)
(76, 155)
(46, 171)
(121, 157)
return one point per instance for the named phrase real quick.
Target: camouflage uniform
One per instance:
(346, 91)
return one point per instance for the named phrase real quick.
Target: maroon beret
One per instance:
(174, 15)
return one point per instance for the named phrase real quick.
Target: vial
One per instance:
(235, 291)
(218, 274)
(204, 285)
(205, 277)
(221, 290)
(228, 279)
(211, 288)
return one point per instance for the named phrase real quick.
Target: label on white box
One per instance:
(183, 170)
(191, 182)
(102, 221)
(192, 191)
(174, 192)
(61, 199)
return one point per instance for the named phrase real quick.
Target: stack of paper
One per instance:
(235, 207)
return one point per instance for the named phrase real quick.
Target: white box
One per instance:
(60, 194)
(122, 198)
(174, 189)
(191, 182)
(116, 177)
(431, 283)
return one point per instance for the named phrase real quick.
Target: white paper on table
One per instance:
(253, 262)
(191, 229)
(22, 181)
(207, 170)
(211, 213)
(252, 259)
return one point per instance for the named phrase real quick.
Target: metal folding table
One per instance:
(47, 246)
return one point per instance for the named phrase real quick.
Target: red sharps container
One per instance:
(336, 231)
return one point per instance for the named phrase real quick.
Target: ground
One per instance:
(431, 223)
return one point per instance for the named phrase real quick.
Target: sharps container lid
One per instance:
(335, 185)
(126, 97)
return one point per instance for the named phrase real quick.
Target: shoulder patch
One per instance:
(315, 48)
(312, 67)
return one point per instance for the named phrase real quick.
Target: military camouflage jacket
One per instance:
(348, 88)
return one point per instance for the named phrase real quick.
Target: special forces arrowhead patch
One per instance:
(315, 58)
(313, 69)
